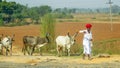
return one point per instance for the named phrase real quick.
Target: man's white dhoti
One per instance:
(86, 41)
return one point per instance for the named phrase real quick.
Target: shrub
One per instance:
(48, 26)
(1, 22)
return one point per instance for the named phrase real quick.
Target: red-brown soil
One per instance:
(99, 31)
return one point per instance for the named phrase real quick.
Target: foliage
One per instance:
(44, 10)
(48, 26)
(10, 11)
(15, 24)
(115, 9)
(1, 22)
(62, 15)
(7, 10)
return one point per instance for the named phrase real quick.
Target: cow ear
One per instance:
(47, 34)
(6, 36)
(68, 34)
(75, 34)
(2, 35)
(13, 35)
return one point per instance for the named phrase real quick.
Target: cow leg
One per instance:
(28, 50)
(2, 50)
(68, 50)
(7, 51)
(64, 51)
(32, 50)
(23, 49)
(11, 50)
(58, 50)
(40, 51)
(68, 53)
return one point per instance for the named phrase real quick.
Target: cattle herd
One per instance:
(35, 42)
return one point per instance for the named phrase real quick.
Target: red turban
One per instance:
(88, 25)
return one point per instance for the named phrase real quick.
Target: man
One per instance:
(87, 41)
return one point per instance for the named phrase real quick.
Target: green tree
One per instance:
(44, 10)
(0, 0)
(34, 14)
(115, 9)
(10, 11)
(7, 9)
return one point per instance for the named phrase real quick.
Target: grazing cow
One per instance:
(32, 42)
(65, 42)
(6, 42)
(1, 36)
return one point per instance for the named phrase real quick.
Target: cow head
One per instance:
(72, 38)
(1, 36)
(47, 37)
(10, 38)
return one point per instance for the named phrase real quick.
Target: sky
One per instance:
(68, 3)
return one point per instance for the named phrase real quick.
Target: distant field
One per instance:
(94, 18)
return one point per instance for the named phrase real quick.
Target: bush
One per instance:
(1, 22)
(48, 26)
(62, 15)
(15, 24)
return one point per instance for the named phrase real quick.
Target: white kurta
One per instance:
(86, 41)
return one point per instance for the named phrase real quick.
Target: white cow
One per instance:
(65, 42)
(6, 42)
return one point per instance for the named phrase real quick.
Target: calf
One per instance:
(65, 42)
(30, 42)
(6, 42)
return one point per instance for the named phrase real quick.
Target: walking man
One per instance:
(87, 41)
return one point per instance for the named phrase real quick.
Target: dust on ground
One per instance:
(36, 61)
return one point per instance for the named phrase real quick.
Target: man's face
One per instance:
(88, 29)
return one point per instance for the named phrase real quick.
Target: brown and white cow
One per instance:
(6, 42)
(32, 42)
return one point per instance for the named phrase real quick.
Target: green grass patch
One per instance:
(111, 46)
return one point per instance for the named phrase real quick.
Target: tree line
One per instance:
(12, 12)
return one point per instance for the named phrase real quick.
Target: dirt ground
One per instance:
(20, 61)
(100, 32)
